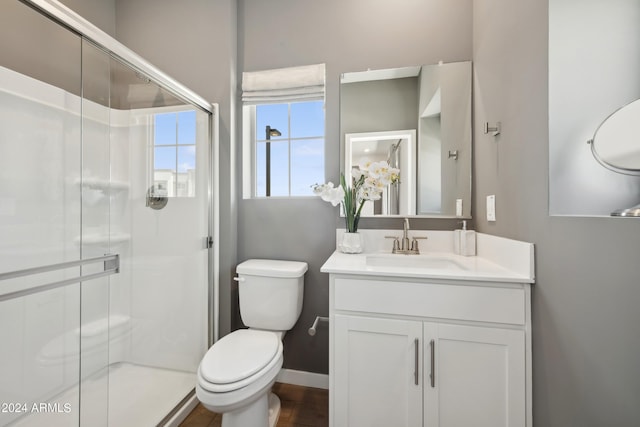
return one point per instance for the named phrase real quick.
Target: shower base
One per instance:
(138, 396)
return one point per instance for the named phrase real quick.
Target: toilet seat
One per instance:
(238, 359)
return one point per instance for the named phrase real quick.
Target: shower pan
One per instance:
(106, 301)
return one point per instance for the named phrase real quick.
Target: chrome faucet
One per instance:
(405, 236)
(405, 246)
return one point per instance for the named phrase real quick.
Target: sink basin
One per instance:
(414, 261)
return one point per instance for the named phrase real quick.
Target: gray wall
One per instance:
(40, 48)
(101, 13)
(347, 36)
(380, 105)
(586, 345)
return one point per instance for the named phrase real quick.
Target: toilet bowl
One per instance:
(236, 375)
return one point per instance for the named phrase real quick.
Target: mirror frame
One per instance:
(407, 171)
(614, 144)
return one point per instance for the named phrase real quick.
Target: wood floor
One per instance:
(301, 407)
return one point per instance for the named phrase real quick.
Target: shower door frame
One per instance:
(73, 21)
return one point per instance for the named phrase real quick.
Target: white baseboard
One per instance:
(307, 379)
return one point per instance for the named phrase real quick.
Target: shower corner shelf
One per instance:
(98, 239)
(103, 184)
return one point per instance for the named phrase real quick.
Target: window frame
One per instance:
(250, 148)
(176, 110)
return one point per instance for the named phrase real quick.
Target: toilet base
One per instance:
(264, 412)
(274, 409)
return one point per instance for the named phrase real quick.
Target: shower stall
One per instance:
(107, 224)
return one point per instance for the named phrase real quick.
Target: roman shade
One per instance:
(283, 85)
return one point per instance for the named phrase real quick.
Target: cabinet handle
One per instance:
(432, 375)
(417, 361)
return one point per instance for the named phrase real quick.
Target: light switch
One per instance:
(491, 208)
(458, 207)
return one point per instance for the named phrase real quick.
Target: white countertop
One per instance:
(498, 260)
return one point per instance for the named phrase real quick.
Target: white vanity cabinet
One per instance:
(422, 352)
(479, 376)
(373, 372)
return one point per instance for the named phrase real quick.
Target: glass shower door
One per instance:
(159, 182)
(40, 211)
(96, 159)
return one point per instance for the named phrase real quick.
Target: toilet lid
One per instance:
(239, 355)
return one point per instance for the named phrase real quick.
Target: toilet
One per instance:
(236, 374)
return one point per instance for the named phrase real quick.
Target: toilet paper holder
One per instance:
(312, 329)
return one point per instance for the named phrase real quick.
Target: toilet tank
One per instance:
(271, 293)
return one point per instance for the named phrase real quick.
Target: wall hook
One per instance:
(494, 130)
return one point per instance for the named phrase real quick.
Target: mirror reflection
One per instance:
(418, 118)
(396, 148)
(615, 143)
(615, 146)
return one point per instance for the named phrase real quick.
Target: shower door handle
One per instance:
(111, 265)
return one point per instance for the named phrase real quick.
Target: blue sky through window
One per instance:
(297, 156)
(175, 146)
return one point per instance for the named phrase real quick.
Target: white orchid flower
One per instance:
(329, 193)
(394, 174)
(365, 166)
(379, 169)
(369, 193)
(368, 182)
(376, 184)
(356, 173)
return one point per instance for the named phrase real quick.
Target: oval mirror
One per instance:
(616, 142)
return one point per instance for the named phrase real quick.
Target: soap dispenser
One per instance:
(467, 241)
(457, 238)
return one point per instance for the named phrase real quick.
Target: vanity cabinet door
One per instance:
(479, 376)
(376, 383)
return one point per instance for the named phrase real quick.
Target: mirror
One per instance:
(397, 148)
(615, 145)
(419, 119)
(581, 94)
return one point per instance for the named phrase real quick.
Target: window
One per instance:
(174, 154)
(283, 131)
(287, 147)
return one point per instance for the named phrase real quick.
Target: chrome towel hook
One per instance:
(495, 130)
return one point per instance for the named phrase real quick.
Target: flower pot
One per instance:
(351, 243)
